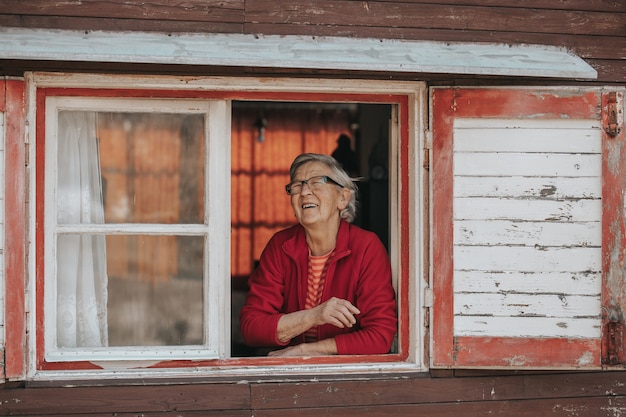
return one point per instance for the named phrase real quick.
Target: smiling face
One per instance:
(319, 208)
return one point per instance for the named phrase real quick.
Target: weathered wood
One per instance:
(525, 233)
(547, 188)
(418, 389)
(588, 5)
(293, 52)
(520, 233)
(189, 10)
(113, 399)
(333, 12)
(614, 228)
(596, 393)
(596, 407)
(89, 24)
(586, 283)
(573, 24)
(15, 229)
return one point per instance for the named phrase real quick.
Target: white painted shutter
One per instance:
(520, 262)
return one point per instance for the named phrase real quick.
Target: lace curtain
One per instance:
(81, 258)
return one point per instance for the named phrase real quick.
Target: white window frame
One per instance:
(216, 113)
(412, 199)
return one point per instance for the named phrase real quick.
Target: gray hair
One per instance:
(338, 174)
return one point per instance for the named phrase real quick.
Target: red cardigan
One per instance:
(359, 272)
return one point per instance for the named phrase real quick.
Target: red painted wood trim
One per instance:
(14, 232)
(451, 351)
(229, 94)
(40, 221)
(613, 231)
(443, 262)
(3, 98)
(405, 248)
(504, 352)
(526, 103)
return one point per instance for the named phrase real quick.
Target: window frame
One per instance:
(406, 212)
(213, 346)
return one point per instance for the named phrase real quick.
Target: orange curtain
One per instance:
(259, 205)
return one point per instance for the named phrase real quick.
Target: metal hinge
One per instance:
(428, 139)
(612, 127)
(428, 297)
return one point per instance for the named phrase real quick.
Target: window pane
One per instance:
(155, 290)
(129, 290)
(151, 167)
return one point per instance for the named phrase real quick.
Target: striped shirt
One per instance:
(315, 287)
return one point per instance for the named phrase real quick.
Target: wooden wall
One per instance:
(556, 395)
(593, 29)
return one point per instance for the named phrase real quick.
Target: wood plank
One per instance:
(528, 259)
(526, 233)
(544, 188)
(527, 210)
(548, 136)
(15, 230)
(586, 46)
(106, 24)
(609, 407)
(518, 392)
(527, 164)
(421, 389)
(614, 229)
(290, 52)
(609, 70)
(190, 10)
(515, 352)
(581, 283)
(113, 399)
(501, 304)
(435, 16)
(442, 225)
(524, 329)
(588, 5)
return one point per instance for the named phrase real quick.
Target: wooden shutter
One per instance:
(528, 228)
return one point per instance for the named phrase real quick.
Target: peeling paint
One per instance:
(585, 359)
(518, 360)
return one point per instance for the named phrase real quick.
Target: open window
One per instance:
(152, 206)
(266, 136)
(528, 228)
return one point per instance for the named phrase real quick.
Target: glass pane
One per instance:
(155, 290)
(150, 167)
(130, 290)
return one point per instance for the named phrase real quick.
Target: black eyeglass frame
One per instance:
(326, 179)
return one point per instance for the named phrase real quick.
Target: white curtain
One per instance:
(81, 258)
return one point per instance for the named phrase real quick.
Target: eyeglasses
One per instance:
(314, 183)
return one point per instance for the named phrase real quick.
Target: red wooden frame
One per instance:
(502, 352)
(404, 320)
(614, 232)
(15, 227)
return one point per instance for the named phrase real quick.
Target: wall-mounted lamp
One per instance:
(260, 124)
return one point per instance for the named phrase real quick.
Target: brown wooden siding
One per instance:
(595, 29)
(565, 394)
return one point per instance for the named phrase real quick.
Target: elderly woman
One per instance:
(323, 286)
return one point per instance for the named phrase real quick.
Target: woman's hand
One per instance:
(322, 347)
(336, 311)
